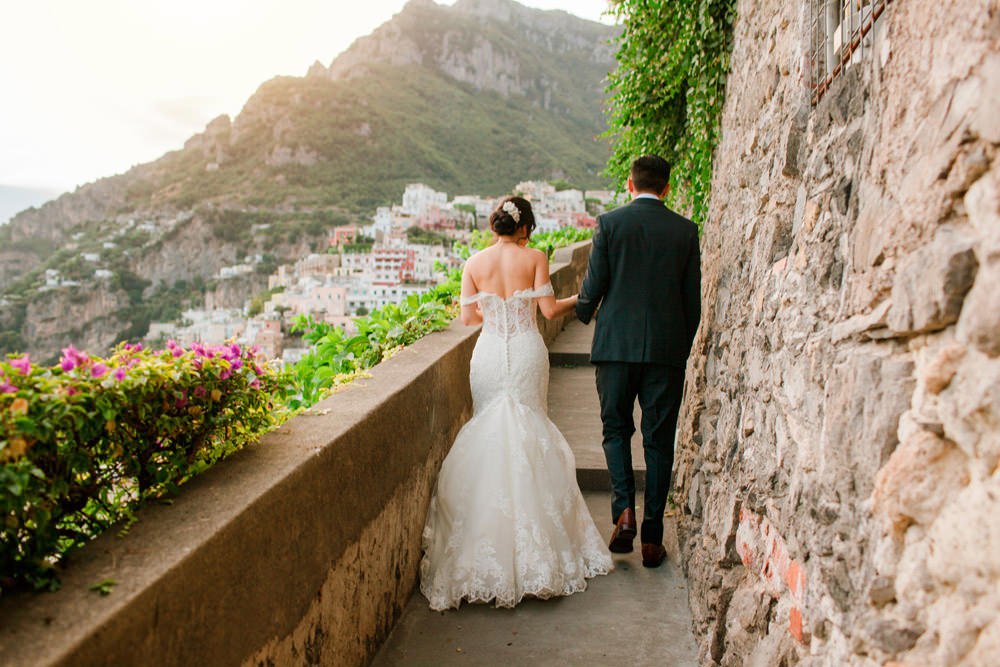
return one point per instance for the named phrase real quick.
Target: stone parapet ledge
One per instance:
(302, 549)
(567, 269)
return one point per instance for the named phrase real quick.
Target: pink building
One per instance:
(393, 266)
(345, 234)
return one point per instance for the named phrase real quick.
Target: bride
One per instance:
(507, 519)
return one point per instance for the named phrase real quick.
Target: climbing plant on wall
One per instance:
(668, 90)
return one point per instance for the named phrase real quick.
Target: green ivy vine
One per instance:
(667, 94)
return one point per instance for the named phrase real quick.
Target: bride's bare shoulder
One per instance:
(536, 255)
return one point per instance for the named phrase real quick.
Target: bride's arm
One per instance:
(551, 307)
(471, 315)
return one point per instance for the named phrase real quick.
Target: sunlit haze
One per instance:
(92, 88)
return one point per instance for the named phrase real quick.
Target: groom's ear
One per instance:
(663, 195)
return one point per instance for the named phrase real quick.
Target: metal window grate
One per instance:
(839, 38)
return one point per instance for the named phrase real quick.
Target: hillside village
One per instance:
(405, 250)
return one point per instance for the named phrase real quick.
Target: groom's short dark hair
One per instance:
(650, 173)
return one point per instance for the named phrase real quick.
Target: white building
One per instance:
(370, 296)
(567, 201)
(544, 223)
(418, 198)
(382, 222)
(484, 206)
(535, 191)
(227, 272)
(211, 327)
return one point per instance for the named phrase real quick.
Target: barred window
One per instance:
(841, 36)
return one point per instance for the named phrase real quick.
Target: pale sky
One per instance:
(89, 88)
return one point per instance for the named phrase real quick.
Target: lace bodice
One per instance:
(511, 316)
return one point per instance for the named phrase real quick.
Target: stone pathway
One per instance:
(574, 408)
(634, 616)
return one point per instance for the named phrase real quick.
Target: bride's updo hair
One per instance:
(506, 222)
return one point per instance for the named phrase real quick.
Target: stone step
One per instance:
(576, 411)
(598, 480)
(569, 359)
(572, 346)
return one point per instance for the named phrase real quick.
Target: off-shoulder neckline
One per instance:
(514, 294)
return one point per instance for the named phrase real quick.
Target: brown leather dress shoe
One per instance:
(624, 533)
(653, 555)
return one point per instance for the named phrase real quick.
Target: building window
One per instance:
(840, 38)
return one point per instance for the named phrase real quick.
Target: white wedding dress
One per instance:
(507, 519)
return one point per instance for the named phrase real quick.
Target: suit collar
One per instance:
(646, 201)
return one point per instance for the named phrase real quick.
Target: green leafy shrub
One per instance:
(550, 241)
(337, 357)
(82, 444)
(668, 90)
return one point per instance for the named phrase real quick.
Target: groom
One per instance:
(645, 274)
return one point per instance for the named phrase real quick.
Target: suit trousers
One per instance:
(659, 388)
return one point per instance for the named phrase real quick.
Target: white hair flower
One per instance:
(511, 208)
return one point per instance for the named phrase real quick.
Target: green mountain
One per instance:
(471, 98)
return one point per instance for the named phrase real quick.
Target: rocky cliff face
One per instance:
(492, 45)
(90, 318)
(838, 459)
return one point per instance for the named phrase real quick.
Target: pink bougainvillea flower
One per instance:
(237, 364)
(200, 391)
(120, 373)
(70, 391)
(255, 384)
(72, 358)
(258, 370)
(225, 374)
(197, 364)
(177, 351)
(23, 364)
(6, 387)
(98, 370)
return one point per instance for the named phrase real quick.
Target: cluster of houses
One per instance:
(367, 267)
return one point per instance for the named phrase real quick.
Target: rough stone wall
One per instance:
(838, 456)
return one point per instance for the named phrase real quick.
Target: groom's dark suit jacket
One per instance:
(645, 274)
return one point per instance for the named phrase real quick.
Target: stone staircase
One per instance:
(634, 616)
(574, 407)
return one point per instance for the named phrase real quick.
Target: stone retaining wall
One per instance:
(301, 550)
(838, 464)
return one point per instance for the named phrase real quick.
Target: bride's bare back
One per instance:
(505, 268)
(508, 266)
